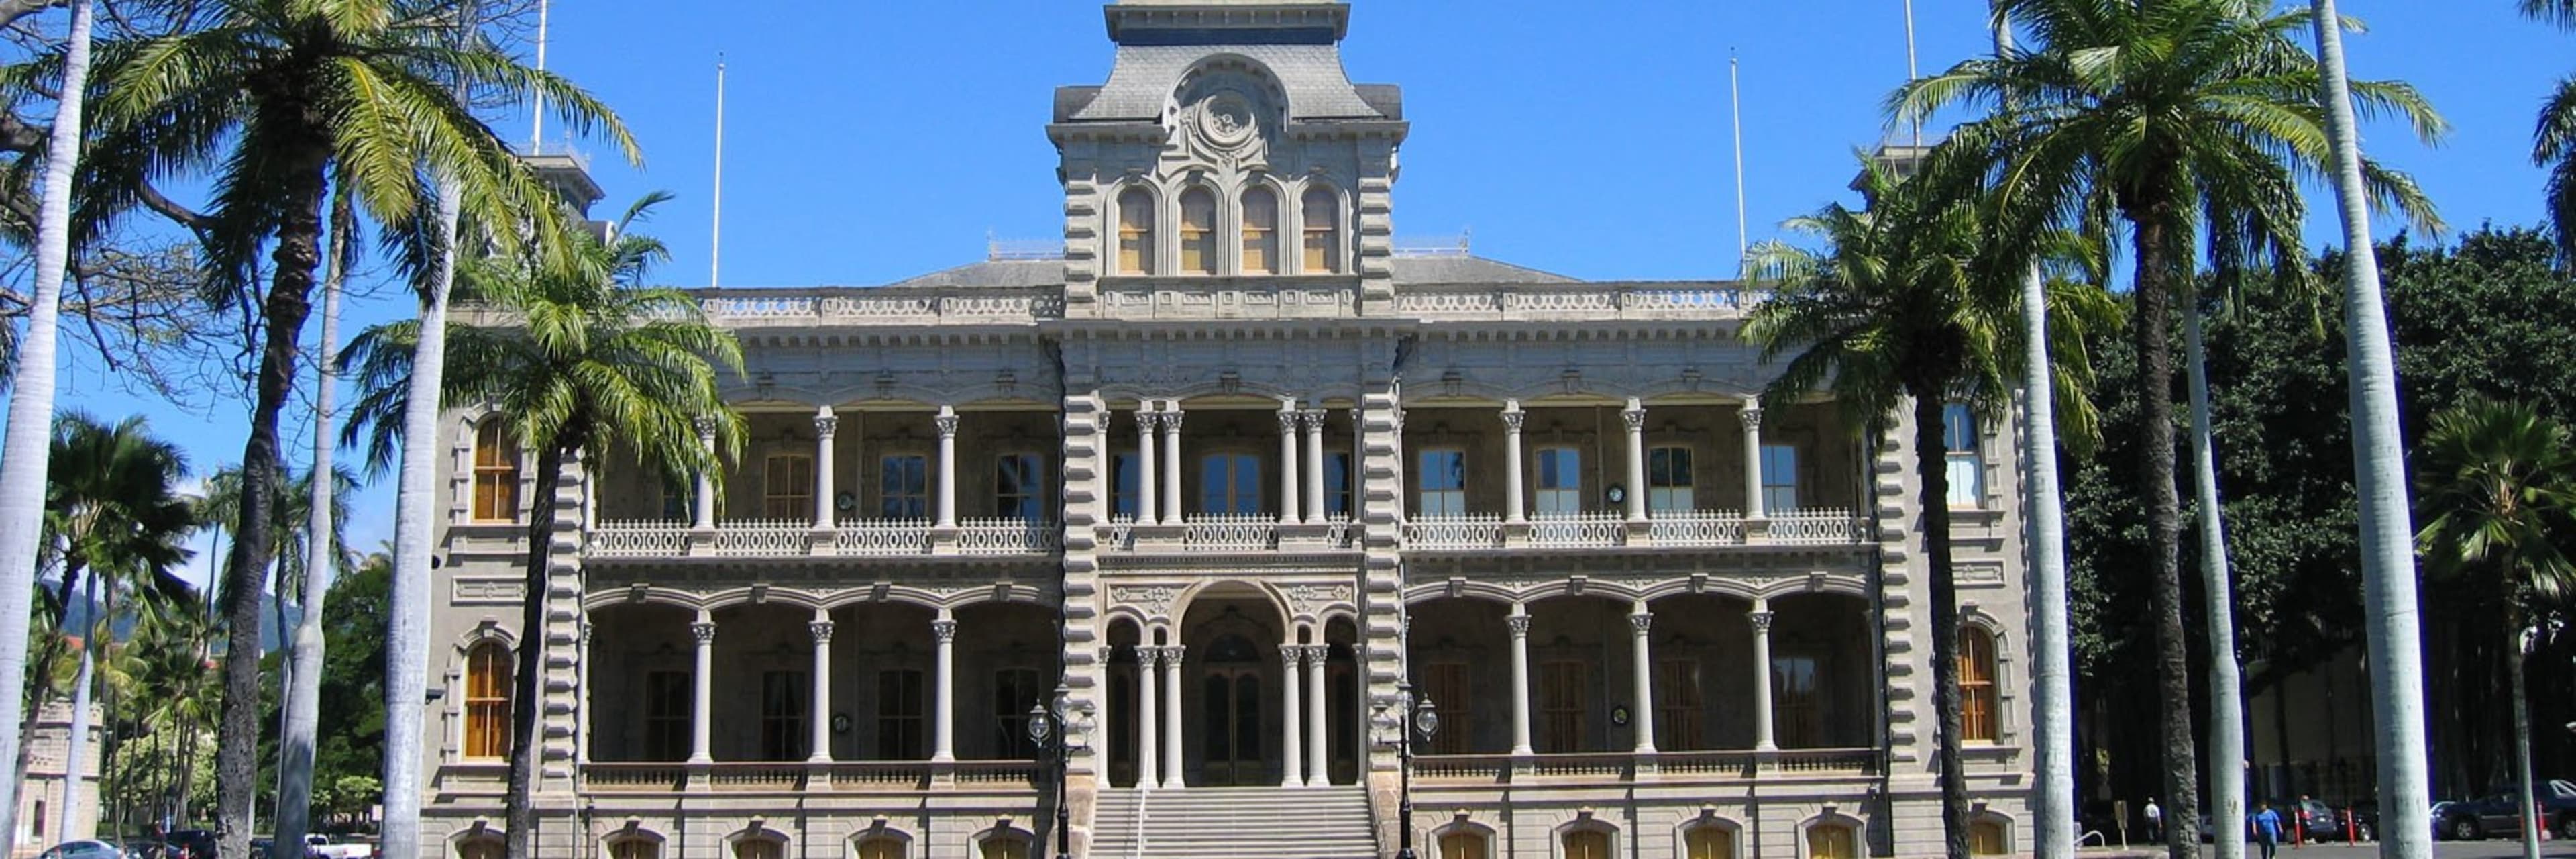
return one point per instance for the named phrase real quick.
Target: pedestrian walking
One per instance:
(2155, 821)
(2267, 830)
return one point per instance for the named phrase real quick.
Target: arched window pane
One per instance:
(1709, 842)
(1260, 231)
(1005, 847)
(479, 848)
(1587, 844)
(1986, 838)
(1977, 701)
(1323, 235)
(496, 472)
(759, 848)
(1832, 841)
(487, 700)
(635, 848)
(1462, 845)
(1135, 232)
(881, 848)
(1198, 232)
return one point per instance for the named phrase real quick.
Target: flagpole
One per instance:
(715, 243)
(1735, 98)
(1911, 72)
(537, 127)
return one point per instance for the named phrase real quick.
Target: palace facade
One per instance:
(1227, 478)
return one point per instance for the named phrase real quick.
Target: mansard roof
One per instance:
(1145, 76)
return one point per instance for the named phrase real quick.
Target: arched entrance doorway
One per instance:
(1231, 687)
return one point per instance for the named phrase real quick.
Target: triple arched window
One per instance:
(1260, 220)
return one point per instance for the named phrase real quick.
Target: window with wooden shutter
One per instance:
(1560, 696)
(1260, 231)
(487, 700)
(496, 472)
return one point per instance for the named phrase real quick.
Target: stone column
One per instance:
(946, 423)
(1171, 423)
(1644, 622)
(825, 424)
(1761, 617)
(1148, 708)
(581, 704)
(1515, 502)
(702, 507)
(821, 628)
(1292, 740)
(701, 750)
(1313, 421)
(1519, 621)
(1635, 417)
(1751, 416)
(1318, 729)
(943, 744)
(1289, 474)
(1172, 715)
(1146, 466)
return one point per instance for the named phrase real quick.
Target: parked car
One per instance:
(2317, 821)
(190, 844)
(83, 849)
(2481, 817)
(330, 847)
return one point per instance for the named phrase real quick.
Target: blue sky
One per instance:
(870, 141)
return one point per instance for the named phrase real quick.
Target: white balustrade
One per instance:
(931, 305)
(643, 538)
(1231, 531)
(1698, 528)
(1825, 526)
(1008, 536)
(1340, 532)
(763, 537)
(1578, 530)
(882, 537)
(1455, 532)
(1575, 300)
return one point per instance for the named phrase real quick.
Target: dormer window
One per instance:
(1198, 232)
(1323, 221)
(1135, 232)
(1260, 231)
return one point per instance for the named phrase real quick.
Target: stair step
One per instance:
(1233, 822)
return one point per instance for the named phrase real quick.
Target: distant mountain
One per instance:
(271, 637)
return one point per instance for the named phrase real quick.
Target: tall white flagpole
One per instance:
(715, 244)
(537, 126)
(1911, 73)
(1735, 97)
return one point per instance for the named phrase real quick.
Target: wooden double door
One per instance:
(1231, 705)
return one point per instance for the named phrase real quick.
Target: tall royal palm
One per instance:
(2494, 479)
(31, 399)
(2388, 600)
(269, 97)
(2178, 116)
(1895, 314)
(579, 359)
(2553, 142)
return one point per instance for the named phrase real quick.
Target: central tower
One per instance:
(1228, 142)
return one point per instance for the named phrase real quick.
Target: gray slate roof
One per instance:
(1146, 75)
(1029, 273)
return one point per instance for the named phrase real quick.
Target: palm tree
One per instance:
(113, 513)
(295, 88)
(2177, 116)
(2494, 481)
(1896, 310)
(31, 400)
(303, 704)
(2553, 143)
(590, 362)
(2379, 465)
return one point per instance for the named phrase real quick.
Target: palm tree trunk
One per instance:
(2044, 517)
(407, 615)
(78, 743)
(1933, 496)
(2152, 331)
(304, 696)
(26, 448)
(2379, 460)
(2515, 653)
(290, 300)
(2226, 689)
(520, 813)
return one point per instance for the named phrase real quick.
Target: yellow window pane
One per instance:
(1462, 845)
(881, 848)
(1587, 844)
(1135, 232)
(1709, 842)
(1198, 232)
(1005, 848)
(1832, 841)
(1986, 838)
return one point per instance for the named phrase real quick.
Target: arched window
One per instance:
(1135, 232)
(486, 846)
(1260, 231)
(496, 472)
(634, 847)
(880, 847)
(760, 847)
(1708, 841)
(1833, 841)
(1585, 844)
(1977, 705)
(1987, 838)
(1323, 229)
(1198, 232)
(487, 700)
(1005, 846)
(1463, 844)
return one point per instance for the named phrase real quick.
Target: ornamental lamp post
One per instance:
(1395, 729)
(1071, 729)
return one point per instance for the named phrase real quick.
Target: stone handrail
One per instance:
(1231, 531)
(913, 305)
(1697, 528)
(1008, 536)
(1464, 531)
(763, 538)
(1817, 526)
(882, 537)
(1578, 530)
(1574, 301)
(634, 777)
(639, 538)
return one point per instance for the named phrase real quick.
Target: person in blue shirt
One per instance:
(2267, 829)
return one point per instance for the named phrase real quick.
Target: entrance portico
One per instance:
(1239, 693)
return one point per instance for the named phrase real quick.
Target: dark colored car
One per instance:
(2480, 817)
(2317, 821)
(190, 844)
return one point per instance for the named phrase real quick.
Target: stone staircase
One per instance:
(1234, 822)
